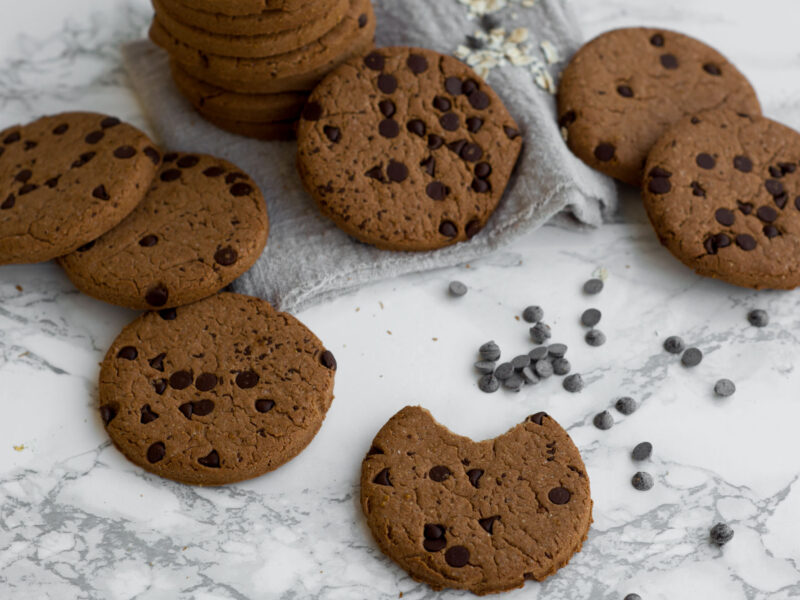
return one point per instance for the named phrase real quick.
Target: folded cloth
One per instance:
(309, 260)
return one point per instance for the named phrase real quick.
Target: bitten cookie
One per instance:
(480, 516)
(202, 224)
(215, 392)
(406, 149)
(623, 89)
(722, 191)
(67, 179)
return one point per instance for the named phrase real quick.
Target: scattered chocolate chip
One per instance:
(474, 476)
(375, 61)
(334, 134)
(61, 129)
(417, 127)
(12, 137)
(474, 124)
(488, 523)
(188, 161)
(697, 189)
(186, 409)
(533, 314)
(389, 128)
(485, 366)
(692, 357)
(457, 289)
(657, 40)
(109, 122)
(160, 386)
(53, 182)
(456, 556)
(705, 161)
(472, 153)
(543, 368)
(100, 192)
(540, 333)
(417, 63)
(504, 371)
(206, 382)
(480, 186)
(745, 241)
(128, 353)
(489, 351)
(595, 337)
(453, 86)
(674, 344)
(156, 452)
(210, 460)
(147, 415)
(724, 388)
(745, 207)
(489, 383)
(382, 478)
(642, 451)
(561, 366)
(642, 481)
(203, 407)
(263, 405)
(328, 360)
(724, 217)
(157, 296)
(397, 171)
(559, 495)
(781, 200)
(625, 91)
(180, 380)
(626, 405)
(457, 146)
(774, 187)
(743, 164)
(771, 231)
(435, 142)
(429, 164)
(603, 420)
(450, 121)
(537, 417)
(312, 111)
(387, 108)
(27, 189)
(439, 473)
(478, 100)
(591, 317)
(376, 173)
(387, 83)
(170, 175)
(720, 534)
(775, 171)
(758, 318)
(436, 190)
(472, 228)
(362, 21)
(148, 241)
(152, 154)
(659, 185)
(226, 256)
(125, 152)
(593, 286)
(573, 383)
(669, 61)
(247, 379)
(604, 152)
(767, 214)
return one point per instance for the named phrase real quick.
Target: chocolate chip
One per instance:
(489, 383)
(479, 100)
(724, 217)
(593, 286)
(312, 111)
(457, 146)
(474, 124)
(157, 363)
(674, 344)
(433, 532)
(745, 241)
(712, 69)
(591, 317)
(241, 189)
(210, 460)
(573, 383)
(775, 171)
(537, 418)
(362, 21)
(471, 153)
(107, 413)
(180, 380)
(568, 118)
(328, 360)
(334, 134)
(247, 379)
(489, 351)
(504, 371)
(774, 187)
(510, 132)
(375, 173)
(53, 182)
(669, 61)
(29, 145)
(787, 167)
(439, 473)
(434, 545)
(147, 415)
(561, 366)
(448, 229)
(83, 159)
(715, 242)
(767, 214)
(488, 523)
(170, 175)
(203, 407)
(417, 63)
(604, 152)
(626, 405)
(12, 137)
(559, 495)
(168, 314)
(543, 368)
(382, 478)
(226, 256)
(453, 86)
(374, 61)
(152, 154)
(625, 91)
(540, 333)
(125, 152)
(697, 189)
(27, 189)
(720, 534)
(100, 193)
(442, 104)
(157, 296)
(771, 231)
(450, 121)
(657, 40)
(781, 200)
(148, 241)
(160, 386)
(429, 164)
(758, 318)
(387, 108)
(642, 481)
(745, 207)
(263, 405)
(109, 122)
(61, 129)
(188, 161)
(474, 476)
(603, 420)
(659, 185)
(156, 452)
(388, 128)
(480, 186)
(397, 171)
(724, 388)
(128, 353)
(436, 190)
(387, 83)
(797, 203)
(206, 382)
(469, 86)
(483, 170)
(94, 137)
(659, 172)
(705, 161)
(417, 127)
(435, 142)
(485, 366)
(692, 357)
(520, 362)
(456, 556)
(642, 451)
(186, 409)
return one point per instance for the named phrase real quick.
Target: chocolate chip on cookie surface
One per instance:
(202, 224)
(219, 391)
(722, 191)
(66, 179)
(406, 149)
(623, 89)
(481, 516)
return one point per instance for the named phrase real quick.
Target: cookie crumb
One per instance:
(19, 447)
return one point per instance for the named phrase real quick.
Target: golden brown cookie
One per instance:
(624, 89)
(247, 7)
(406, 149)
(299, 69)
(202, 224)
(66, 179)
(215, 392)
(480, 516)
(270, 130)
(722, 191)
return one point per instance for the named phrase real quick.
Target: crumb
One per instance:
(389, 332)
(381, 304)
(435, 339)
(19, 287)
(19, 448)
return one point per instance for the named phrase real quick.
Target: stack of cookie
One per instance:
(249, 69)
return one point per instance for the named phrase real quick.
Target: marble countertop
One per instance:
(77, 521)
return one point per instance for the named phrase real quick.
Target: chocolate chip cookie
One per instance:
(624, 89)
(250, 46)
(406, 149)
(246, 7)
(66, 179)
(215, 392)
(480, 516)
(722, 191)
(299, 69)
(202, 224)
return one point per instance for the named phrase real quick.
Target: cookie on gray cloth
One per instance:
(219, 391)
(406, 149)
(201, 225)
(480, 516)
(623, 89)
(722, 191)
(67, 179)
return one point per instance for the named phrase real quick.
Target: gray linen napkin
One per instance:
(308, 259)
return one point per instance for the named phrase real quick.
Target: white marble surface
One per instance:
(77, 521)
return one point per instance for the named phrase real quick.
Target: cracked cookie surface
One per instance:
(66, 179)
(219, 391)
(406, 149)
(722, 191)
(624, 88)
(202, 224)
(481, 516)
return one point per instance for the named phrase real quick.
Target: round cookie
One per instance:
(266, 22)
(479, 516)
(66, 179)
(217, 102)
(219, 391)
(247, 7)
(299, 69)
(251, 46)
(623, 90)
(406, 149)
(722, 191)
(201, 225)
